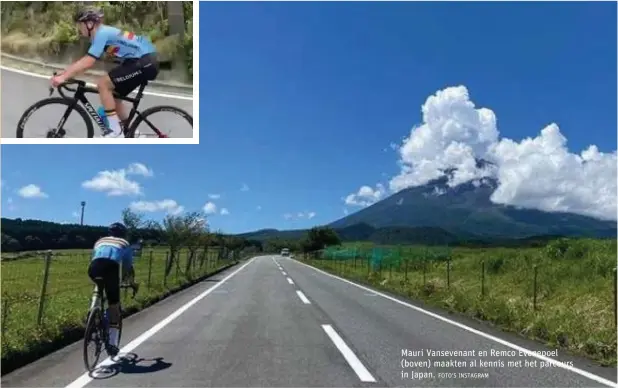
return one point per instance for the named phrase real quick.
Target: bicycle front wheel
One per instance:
(53, 128)
(158, 130)
(93, 335)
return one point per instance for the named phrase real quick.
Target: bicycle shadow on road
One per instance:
(130, 363)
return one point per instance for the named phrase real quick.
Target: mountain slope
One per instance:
(467, 209)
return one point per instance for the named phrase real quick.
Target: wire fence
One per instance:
(437, 266)
(568, 300)
(50, 292)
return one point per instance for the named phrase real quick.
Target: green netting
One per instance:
(387, 256)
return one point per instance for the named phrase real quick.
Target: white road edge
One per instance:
(528, 352)
(84, 379)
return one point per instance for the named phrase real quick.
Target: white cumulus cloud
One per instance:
(299, 215)
(537, 172)
(366, 196)
(139, 169)
(116, 183)
(214, 196)
(31, 191)
(224, 211)
(167, 205)
(210, 208)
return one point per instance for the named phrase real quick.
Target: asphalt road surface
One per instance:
(276, 322)
(20, 90)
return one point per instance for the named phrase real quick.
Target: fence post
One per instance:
(167, 265)
(204, 259)
(406, 271)
(178, 255)
(615, 298)
(390, 271)
(149, 269)
(48, 256)
(535, 283)
(424, 270)
(482, 278)
(448, 273)
(5, 316)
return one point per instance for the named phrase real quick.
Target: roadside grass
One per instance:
(68, 292)
(575, 300)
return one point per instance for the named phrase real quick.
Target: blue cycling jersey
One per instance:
(119, 44)
(113, 248)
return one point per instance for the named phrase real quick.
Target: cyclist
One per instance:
(107, 255)
(136, 55)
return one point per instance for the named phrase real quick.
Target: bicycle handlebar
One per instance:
(64, 85)
(132, 286)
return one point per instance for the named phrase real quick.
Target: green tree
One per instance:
(320, 237)
(133, 221)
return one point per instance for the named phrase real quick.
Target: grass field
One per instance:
(575, 294)
(69, 289)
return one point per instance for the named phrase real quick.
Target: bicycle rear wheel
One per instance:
(93, 329)
(69, 105)
(157, 131)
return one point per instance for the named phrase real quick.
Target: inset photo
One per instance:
(113, 71)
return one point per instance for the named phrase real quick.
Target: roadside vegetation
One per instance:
(562, 294)
(43, 28)
(45, 296)
(559, 291)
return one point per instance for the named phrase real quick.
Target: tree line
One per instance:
(189, 230)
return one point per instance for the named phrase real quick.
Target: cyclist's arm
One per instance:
(127, 262)
(87, 61)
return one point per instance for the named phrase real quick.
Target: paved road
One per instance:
(277, 322)
(19, 91)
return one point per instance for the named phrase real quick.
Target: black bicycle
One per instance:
(72, 103)
(97, 324)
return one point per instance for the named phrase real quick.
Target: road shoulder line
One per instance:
(521, 349)
(84, 379)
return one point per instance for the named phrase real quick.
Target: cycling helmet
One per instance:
(117, 229)
(88, 15)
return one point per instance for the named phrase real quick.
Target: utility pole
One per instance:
(82, 218)
(176, 20)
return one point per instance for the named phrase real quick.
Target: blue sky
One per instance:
(301, 102)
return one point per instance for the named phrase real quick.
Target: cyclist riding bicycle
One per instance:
(136, 55)
(108, 253)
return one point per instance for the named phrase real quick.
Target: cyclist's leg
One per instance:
(129, 77)
(112, 291)
(121, 110)
(106, 88)
(95, 273)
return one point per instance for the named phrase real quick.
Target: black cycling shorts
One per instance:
(133, 73)
(109, 272)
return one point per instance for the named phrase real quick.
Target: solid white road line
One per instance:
(164, 95)
(356, 364)
(302, 297)
(85, 378)
(528, 352)
(290, 281)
